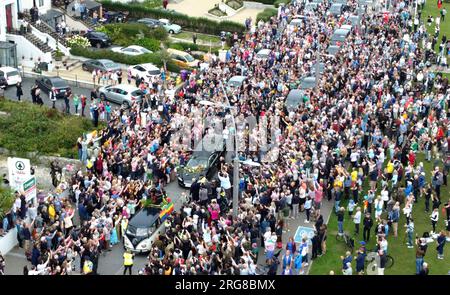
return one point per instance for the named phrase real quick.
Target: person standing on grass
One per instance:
(357, 220)
(19, 91)
(441, 239)
(194, 38)
(340, 219)
(383, 260)
(368, 223)
(360, 261)
(421, 250)
(410, 232)
(395, 217)
(165, 3)
(434, 217)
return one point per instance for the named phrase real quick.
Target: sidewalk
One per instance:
(293, 225)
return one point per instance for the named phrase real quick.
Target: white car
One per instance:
(131, 50)
(11, 75)
(146, 71)
(122, 94)
(263, 54)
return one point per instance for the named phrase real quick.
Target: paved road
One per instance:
(110, 263)
(27, 83)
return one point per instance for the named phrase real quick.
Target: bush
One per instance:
(78, 41)
(184, 46)
(30, 128)
(201, 25)
(150, 44)
(154, 58)
(235, 4)
(7, 198)
(278, 2)
(266, 14)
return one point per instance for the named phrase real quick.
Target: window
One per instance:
(41, 3)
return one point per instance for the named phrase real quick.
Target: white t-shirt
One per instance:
(357, 217)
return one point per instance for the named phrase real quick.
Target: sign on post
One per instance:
(19, 171)
(29, 189)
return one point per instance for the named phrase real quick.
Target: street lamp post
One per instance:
(235, 160)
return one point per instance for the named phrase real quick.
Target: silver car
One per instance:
(122, 94)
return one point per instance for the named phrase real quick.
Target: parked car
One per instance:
(104, 65)
(170, 28)
(339, 36)
(294, 99)
(143, 229)
(183, 59)
(308, 82)
(123, 94)
(60, 85)
(263, 54)
(236, 81)
(355, 20)
(11, 75)
(146, 71)
(336, 9)
(131, 50)
(202, 163)
(98, 39)
(311, 6)
(333, 49)
(150, 22)
(115, 17)
(321, 68)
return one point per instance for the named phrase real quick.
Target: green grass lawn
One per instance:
(404, 258)
(432, 9)
(203, 37)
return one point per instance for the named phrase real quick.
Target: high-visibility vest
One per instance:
(127, 259)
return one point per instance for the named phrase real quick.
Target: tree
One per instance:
(6, 199)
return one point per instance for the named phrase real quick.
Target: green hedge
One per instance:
(31, 128)
(128, 34)
(266, 14)
(197, 24)
(154, 58)
(278, 2)
(150, 44)
(193, 47)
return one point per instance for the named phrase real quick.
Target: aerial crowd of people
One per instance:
(354, 141)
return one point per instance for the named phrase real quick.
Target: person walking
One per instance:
(19, 91)
(128, 262)
(67, 96)
(165, 3)
(33, 93)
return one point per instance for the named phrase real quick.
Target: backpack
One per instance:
(203, 194)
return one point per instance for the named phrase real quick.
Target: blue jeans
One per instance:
(5, 224)
(410, 238)
(340, 227)
(336, 206)
(419, 264)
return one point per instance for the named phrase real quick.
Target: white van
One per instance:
(143, 229)
(11, 75)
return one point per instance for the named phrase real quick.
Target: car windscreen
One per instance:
(109, 65)
(12, 74)
(189, 58)
(59, 83)
(198, 163)
(154, 72)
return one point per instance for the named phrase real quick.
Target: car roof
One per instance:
(294, 94)
(147, 19)
(346, 27)
(104, 60)
(264, 51)
(237, 78)
(146, 217)
(126, 87)
(148, 66)
(341, 31)
(337, 5)
(8, 69)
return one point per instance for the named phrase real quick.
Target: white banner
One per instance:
(19, 171)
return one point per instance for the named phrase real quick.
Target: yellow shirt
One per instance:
(51, 211)
(127, 259)
(390, 167)
(354, 175)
